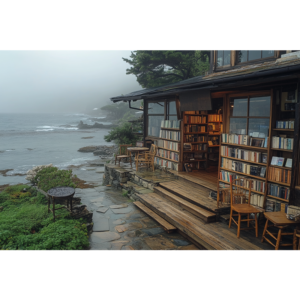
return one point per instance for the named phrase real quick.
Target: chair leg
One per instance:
(278, 239)
(256, 225)
(294, 240)
(265, 229)
(130, 161)
(230, 218)
(299, 244)
(115, 159)
(239, 226)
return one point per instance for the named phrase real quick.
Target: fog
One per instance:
(62, 81)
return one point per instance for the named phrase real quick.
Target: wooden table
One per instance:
(137, 151)
(280, 221)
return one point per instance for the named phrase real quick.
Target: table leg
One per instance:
(71, 205)
(278, 239)
(53, 208)
(136, 163)
(256, 225)
(239, 226)
(265, 229)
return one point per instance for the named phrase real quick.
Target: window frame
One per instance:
(248, 96)
(166, 113)
(216, 60)
(254, 60)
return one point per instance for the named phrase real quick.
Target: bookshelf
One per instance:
(169, 145)
(195, 139)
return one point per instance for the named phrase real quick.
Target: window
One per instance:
(250, 115)
(248, 55)
(223, 58)
(158, 111)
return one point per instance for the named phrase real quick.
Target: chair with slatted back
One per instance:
(147, 158)
(240, 205)
(124, 153)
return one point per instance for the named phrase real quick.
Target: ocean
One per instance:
(28, 140)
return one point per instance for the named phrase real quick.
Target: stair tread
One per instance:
(166, 225)
(206, 234)
(194, 207)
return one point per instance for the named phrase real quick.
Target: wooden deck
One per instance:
(208, 179)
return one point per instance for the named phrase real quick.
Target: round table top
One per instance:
(61, 192)
(132, 149)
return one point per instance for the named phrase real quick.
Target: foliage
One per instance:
(51, 177)
(25, 223)
(155, 68)
(122, 135)
(125, 194)
(117, 110)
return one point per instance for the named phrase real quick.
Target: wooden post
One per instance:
(53, 208)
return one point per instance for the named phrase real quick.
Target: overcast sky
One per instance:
(62, 81)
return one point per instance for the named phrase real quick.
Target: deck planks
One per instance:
(210, 235)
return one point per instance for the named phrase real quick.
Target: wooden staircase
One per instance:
(185, 206)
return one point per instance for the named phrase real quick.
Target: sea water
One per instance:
(28, 140)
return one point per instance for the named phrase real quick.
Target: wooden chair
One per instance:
(147, 157)
(124, 153)
(296, 239)
(241, 205)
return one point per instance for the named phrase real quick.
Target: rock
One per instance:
(81, 125)
(101, 225)
(88, 149)
(102, 209)
(100, 237)
(118, 245)
(119, 206)
(119, 222)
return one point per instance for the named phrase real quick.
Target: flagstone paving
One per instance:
(118, 223)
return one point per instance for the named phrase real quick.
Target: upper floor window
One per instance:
(223, 58)
(248, 55)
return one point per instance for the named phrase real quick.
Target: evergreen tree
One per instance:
(155, 68)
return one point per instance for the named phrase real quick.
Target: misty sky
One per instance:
(62, 81)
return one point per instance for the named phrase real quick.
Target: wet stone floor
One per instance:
(118, 223)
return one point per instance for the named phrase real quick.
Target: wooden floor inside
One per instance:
(207, 178)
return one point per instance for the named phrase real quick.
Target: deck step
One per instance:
(166, 225)
(193, 195)
(203, 214)
(206, 234)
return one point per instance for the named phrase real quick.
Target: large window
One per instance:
(248, 55)
(223, 58)
(158, 111)
(250, 115)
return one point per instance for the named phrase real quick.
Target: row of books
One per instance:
(166, 163)
(171, 135)
(197, 112)
(280, 142)
(243, 139)
(278, 191)
(170, 124)
(245, 168)
(215, 118)
(257, 200)
(193, 156)
(293, 210)
(273, 205)
(153, 131)
(195, 119)
(249, 155)
(190, 147)
(257, 185)
(194, 128)
(194, 138)
(285, 124)
(280, 175)
(213, 127)
(279, 161)
(167, 144)
(168, 154)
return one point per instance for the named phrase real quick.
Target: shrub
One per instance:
(122, 135)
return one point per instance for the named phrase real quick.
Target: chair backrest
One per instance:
(240, 190)
(123, 149)
(153, 149)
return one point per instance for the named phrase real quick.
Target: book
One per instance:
(264, 158)
(274, 161)
(288, 163)
(187, 146)
(280, 161)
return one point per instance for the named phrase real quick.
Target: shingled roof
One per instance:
(281, 65)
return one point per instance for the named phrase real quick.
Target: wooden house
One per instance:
(239, 120)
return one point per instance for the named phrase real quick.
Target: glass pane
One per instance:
(238, 125)
(267, 53)
(172, 108)
(260, 106)
(220, 58)
(226, 58)
(172, 117)
(156, 108)
(154, 124)
(259, 127)
(242, 56)
(254, 55)
(238, 107)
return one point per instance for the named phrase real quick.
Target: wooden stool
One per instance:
(280, 221)
(296, 238)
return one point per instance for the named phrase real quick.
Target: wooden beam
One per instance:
(233, 58)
